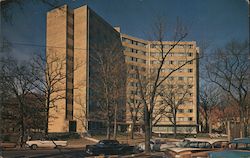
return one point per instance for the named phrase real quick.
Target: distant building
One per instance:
(78, 36)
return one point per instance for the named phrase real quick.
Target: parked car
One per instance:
(109, 147)
(45, 143)
(156, 145)
(7, 145)
(239, 147)
(194, 145)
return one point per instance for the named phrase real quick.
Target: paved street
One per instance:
(41, 153)
(63, 153)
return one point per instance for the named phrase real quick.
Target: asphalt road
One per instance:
(41, 153)
(56, 153)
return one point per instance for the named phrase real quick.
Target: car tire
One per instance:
(33, 146)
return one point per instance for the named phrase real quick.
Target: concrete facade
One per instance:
(145, 55)
(75, 37)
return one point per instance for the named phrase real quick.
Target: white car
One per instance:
(34, 144)
(157, 145)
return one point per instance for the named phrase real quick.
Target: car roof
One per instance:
(178, 150)
(108, 140)
(211, 141)
(241, 140)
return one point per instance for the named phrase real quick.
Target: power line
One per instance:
(60, 47)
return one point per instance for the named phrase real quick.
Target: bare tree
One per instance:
(83, 113)
(173, 95)
(50, 75)
(149, 84)
(229, 69)
(18, 79)
(108, 81)
(209, 98)
(135, 109)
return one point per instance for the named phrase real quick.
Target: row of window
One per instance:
(180, 54)
(177, 119)
(133, 67)
(171, 78)
(135, 51)
(172, 69)
(179, 46)
(180, 78)
(135, 76)
(185, 110)
(135, 59)
(172, 62)
(180, 86)
(134, 42)
(184, 119)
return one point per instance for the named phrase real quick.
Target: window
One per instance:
(143, 61)
(171, 86)
(171, 78)
(190, 119)
(190, 79)
(180, 110)
(181, 62)
(190, 86)
(193, 145)
(190, 70)
(152, 46)
(126, 40)
(180, 70)
(180, 86)
(204, 145)
(134, 59)
(190, 110)
(180, 118)
(180, 78)
(166, 46)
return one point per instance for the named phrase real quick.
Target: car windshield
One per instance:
(183, 143)
(108, 142)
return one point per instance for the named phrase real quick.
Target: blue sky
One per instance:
(213, 21)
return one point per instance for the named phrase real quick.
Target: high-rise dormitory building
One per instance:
(76, 37)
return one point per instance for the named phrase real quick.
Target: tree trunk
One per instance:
(210, 127)
(150, 126)
(115, 122)
(174, 123)
(108, 129)
(22, 124)
(147, 131)
(241, 122)
(206, 122)
(175, 127)
(132, 129)
(47, 116)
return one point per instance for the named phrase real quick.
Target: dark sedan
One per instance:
(109, 147)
